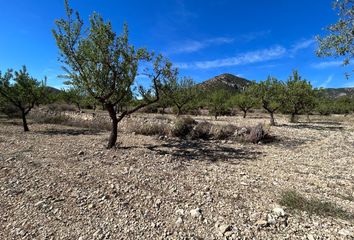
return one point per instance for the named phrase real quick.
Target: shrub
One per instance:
(10, 110)
(182, 127)
(295, 201)
(202, 131)
(223, 132)
(256, 134)
(61, 107)
(151, 129)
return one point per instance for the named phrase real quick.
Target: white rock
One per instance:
(196, 213)
(310, 237)
(225, 228)
(346, 232)
(279, 211)
(180, 212)
(179, 221)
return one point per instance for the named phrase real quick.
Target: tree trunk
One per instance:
(308, 117)
(244, 114)
(114, 131)
(179, 111)
(24, 121)
(293, 118)
(272, 121)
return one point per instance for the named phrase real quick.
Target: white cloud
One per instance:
(241, 59)
(329, 64)
(303, 44)
(325, 83)
(194, 46)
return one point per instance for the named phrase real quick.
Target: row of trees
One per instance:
(102, 67)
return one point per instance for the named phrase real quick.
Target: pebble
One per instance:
(196, 213)
(279, 211)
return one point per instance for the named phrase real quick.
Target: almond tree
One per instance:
(244, 101)
(22, 91)
(105, 65)
(299, 96)
(340, 39)
(270, 94)
(180, 92)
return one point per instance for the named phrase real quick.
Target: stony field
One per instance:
(59, 182)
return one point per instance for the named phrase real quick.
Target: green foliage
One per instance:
(217, 102)
(270, 94)
(244, 101)
(300, 97)
(105, 65)
(179, 93)
(340, 39)
(22, 91)
(295, 201)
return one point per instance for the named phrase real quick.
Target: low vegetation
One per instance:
(293, 200)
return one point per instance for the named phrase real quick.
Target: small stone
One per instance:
(225, 228)
(346, 232)
(90, 206)
(158, 203)
(196, 213)
(39, 203)
(279, 211)
(310, 237)
(179, 221)
(81, 153)
(180, 212)
(262, 223)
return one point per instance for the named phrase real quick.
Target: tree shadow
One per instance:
(200, 150)
(69, 132)
(314, 127)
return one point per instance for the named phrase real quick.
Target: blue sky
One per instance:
(252, 39)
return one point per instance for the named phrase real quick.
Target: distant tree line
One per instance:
(101, 68)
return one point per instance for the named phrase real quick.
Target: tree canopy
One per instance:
(105, 65)
(22, 91)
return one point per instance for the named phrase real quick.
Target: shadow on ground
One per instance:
(199, 150)
(71, 132)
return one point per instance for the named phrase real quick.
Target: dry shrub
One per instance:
(202, 131)
(256, 134)
(182, 127)
(10, 110)
(151, 129)
(96, 123)
(221, 132)
(61, 107)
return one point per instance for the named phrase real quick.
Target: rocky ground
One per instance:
(60, 182)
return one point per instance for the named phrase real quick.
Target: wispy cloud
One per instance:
(254, 35)
(191, 46)
(325, 83)
(303, 44)
(349, 84)
(327, 64)
(241, 59)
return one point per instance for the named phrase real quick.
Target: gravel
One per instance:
(60, 182)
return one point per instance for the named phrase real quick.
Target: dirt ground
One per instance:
(59, 182)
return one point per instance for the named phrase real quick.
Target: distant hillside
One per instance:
(53, 90)
(338, 92)
(226, 81)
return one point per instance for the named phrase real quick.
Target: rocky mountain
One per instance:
(338, 92)
(226, 81)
